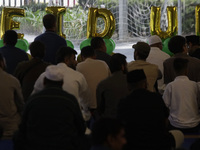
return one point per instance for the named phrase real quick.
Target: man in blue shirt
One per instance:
(12, 54)
(50, 39)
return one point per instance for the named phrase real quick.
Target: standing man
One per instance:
(99, 46)
(157, 57)
(94, 71)
(50, 39)
(12, 54)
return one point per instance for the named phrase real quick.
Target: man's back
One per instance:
(109, 92)
(144, 114)
(52, 120)
(27, 72)
(94, 71)
(52, 42)
(11, 103)
(103, 56)
(157, 57)
(193, 68)
(181, 97)
(74, 83)
(151, 72)
(13, 56)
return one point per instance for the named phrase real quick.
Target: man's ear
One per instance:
(66, 60)
(185, 49)
(82, 58)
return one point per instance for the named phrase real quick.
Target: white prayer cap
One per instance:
(154, 39)
(53, 73)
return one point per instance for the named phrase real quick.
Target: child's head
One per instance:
(180, 66)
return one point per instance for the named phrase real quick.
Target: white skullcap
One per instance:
(53, 73)
(154, 39)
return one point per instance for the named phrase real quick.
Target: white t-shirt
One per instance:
(181, 97)
(157, 57)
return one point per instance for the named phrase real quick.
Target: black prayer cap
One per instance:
(135, 76)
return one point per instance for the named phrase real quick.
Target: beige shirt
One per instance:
(94, 72)
(151, 71)
(11, 104)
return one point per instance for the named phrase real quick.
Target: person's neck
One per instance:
(50, 30)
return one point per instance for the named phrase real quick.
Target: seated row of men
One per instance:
(93, 89)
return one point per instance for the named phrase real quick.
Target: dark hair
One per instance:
(194, 39)
(116, 62)
(64, 52)
(48, 82)
(176, 44)
(37, 49)
(10, 37)
(87, 51)
(49, 21)
(135, 76)
(104, 127)
(97, 42)
(1, 57)
(180, 64)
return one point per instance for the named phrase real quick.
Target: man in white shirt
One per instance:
(181, 97)
(157, 57)
(74, 81)
(94, 71)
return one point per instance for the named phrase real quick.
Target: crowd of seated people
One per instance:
(52, 102)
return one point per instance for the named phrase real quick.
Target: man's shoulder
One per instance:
(54, 93)
(106, 82)
(142, 64)
(100, 54)
(169, 60)
(8, 77)
(49, 91)
(13, 50)
(144, 95)
(194, 59)
(159, 53)
(8, 48)
(75, 74)
(23, 64)
(48, 34)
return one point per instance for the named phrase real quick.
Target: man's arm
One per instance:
(39, 84)
(18, 98)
